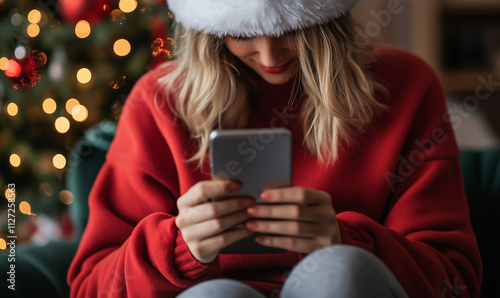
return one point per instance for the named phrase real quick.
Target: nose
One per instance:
(271, 51)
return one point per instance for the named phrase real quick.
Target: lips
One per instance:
(276, 70)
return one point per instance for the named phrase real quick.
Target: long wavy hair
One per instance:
(338, 101)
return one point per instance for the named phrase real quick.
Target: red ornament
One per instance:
(24, 73)
(73, 11)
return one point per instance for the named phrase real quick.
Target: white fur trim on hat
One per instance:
(248, 18)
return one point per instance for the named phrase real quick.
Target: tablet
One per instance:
(259, 159)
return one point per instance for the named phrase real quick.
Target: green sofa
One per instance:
(41, 270)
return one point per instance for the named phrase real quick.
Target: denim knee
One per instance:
(343, 271)
(221, 288)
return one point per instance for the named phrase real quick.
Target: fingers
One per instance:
(224, 239)
(207, 250)
(202, 191)
(207, 211)
(295, 244)
(212, 227)
(316, 213)
(292, 228)
(297, 195)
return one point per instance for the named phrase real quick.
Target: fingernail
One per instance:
(260, 239)
(240, 226)
(253, 211)
(248, 202)
(235, 186)
(265, 195)
(251, 225)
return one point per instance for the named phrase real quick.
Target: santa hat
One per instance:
(248, 18)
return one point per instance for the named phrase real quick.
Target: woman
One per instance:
(377, 206)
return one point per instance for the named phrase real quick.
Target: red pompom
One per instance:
(24, 73)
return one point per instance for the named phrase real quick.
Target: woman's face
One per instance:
(274, 59)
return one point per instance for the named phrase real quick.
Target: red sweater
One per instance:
(418, 225)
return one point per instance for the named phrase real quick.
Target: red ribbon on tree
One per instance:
(72, 11)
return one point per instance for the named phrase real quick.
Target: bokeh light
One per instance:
(127, 6)
(8, 194)
(15, 160)
(13, 69)
(70, 104)
(3, 244)
(62, 124)
(16, 19)
(46, 189)
(38, 59)
(59, 161)
(122, 47)
(12, 109)
(82, 29)
(84, 75)
(25, 208)
(3, 63)
(34, 16)
(20, 52)
(66, 197)
(49, 105)
(33, 30)
(80, 113)
(117, 16)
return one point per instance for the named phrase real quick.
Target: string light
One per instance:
(122, 47)
(80, 113)
(62, 125)
(66, 197)
(59, 161)
(34, 16)
(12, 109)
(15, 160)
(33, 30)
(82, 29)
(118, 83)
(70, 104)
(127, 6)
(3, 63)
(160, 46)
(49, 106)
(84, 75)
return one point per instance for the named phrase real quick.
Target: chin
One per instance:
(277, 79)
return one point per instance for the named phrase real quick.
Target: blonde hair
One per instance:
(337, 93)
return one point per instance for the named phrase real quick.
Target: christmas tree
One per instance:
(65, 66)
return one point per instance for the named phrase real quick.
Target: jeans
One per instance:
(334, 271)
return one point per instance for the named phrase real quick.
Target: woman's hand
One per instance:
(307, 220)
(203, 220)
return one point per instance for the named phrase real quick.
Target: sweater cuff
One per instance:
(348, 221)
(188, 266)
